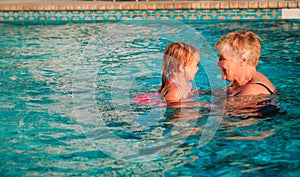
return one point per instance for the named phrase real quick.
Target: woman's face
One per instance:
(228, 66)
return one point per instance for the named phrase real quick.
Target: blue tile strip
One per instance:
(49, 17)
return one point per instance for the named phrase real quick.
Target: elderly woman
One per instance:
(239, 52)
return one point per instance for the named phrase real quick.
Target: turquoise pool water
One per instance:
(66, 110)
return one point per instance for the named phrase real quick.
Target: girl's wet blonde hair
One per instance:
(177, 55)
(243, 43)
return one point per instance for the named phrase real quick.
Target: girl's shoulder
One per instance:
(173, 93)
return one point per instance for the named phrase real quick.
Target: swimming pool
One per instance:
(66, 110)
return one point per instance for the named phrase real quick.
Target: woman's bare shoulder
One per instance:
(260, 84)
(261, 78)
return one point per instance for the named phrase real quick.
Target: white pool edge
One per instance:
(290, 13)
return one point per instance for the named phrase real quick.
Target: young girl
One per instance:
(179, 65)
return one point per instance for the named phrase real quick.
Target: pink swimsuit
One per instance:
(146, 98)
(154, 97)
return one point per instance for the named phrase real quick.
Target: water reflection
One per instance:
(240, 114)
(245, 117)
(259, 106)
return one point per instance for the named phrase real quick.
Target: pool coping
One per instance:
(156, 5)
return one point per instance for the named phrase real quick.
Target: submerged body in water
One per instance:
(249, 106)
(258, 106)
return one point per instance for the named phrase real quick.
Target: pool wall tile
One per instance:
(116, 15)
(184, 11)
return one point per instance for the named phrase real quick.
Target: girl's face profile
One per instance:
(192, 69)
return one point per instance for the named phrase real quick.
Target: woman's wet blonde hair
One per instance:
(177, 55)
(243, 43)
